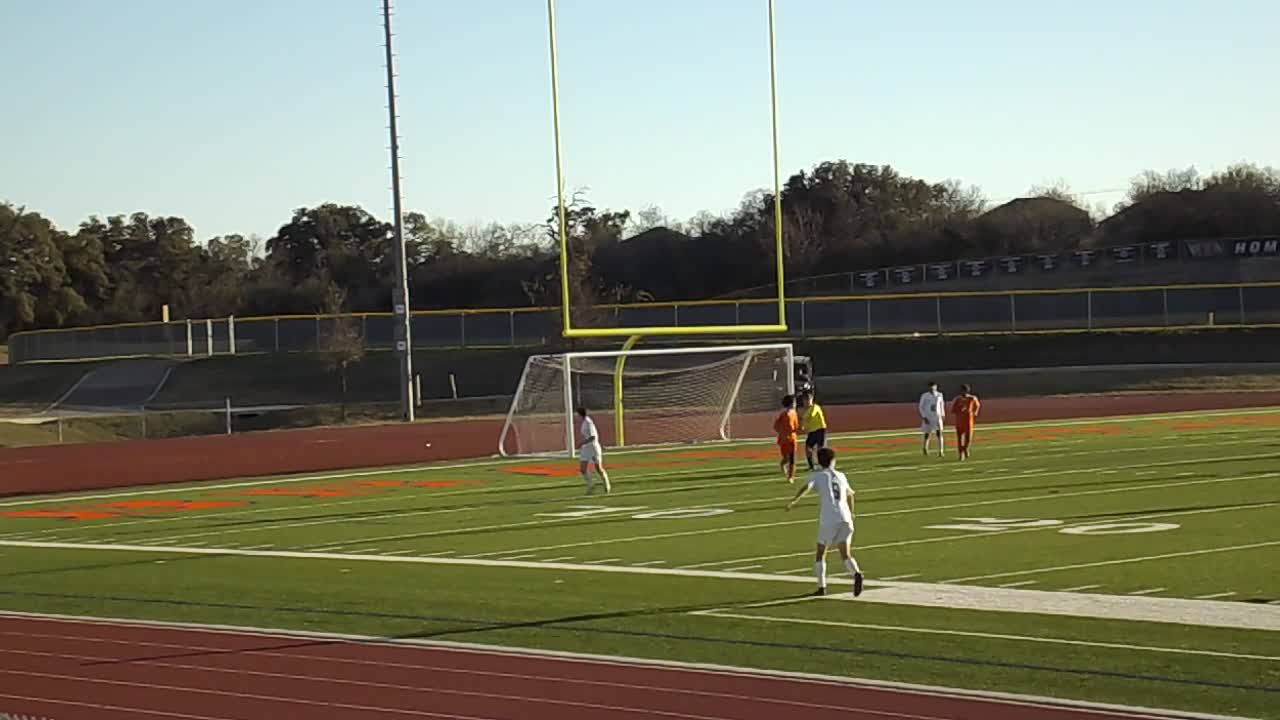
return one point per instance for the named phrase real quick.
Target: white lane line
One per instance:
(908, 576)
(744, 568)
(1148, 591)
(558, 559)
(1078, 588)
(649, 563)
(1022, 583)
(1214, 596)
(815, 680)
(606, 561)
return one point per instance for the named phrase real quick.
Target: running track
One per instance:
(67, 669)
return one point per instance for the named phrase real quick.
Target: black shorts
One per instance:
(817, 438)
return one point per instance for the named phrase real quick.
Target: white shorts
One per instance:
(590, 454)
(931, 424)
(837, 533)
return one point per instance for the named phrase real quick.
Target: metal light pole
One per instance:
(400, 294)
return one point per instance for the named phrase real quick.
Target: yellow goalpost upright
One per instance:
(634, 333)
(737, 384)
(569, 331)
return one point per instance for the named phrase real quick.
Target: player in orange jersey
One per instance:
(786, 426)
(965, 410)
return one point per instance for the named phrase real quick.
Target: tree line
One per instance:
(837, 217)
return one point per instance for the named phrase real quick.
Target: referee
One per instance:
(814, 424)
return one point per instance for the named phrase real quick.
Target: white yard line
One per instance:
(1214, 596)
(649, 563)
(1148, 591)
(908, 576)
(1078, 588)
(1122, 561)
(983, 635)
(1018, 584)
(496, 462)
(60, 533)
(1115, 607)
(1001, 533)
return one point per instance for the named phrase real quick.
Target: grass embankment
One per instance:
(854, 370)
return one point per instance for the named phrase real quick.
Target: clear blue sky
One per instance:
(231, 113)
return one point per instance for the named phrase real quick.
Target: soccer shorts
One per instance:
(931, 424)
(816, 439)
(837, 533)
(590, 453)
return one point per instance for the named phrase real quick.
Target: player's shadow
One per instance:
(458, 626)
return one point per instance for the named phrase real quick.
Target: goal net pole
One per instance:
(619, 416)
(656, 396)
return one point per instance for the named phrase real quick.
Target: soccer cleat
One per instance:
(857, 584)
(820, 592)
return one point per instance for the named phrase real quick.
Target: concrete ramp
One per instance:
(123, 385)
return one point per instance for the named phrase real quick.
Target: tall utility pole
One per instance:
(400, 294)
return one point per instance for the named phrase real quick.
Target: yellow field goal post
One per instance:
(568, 330)
(670, 396)
(622, 389)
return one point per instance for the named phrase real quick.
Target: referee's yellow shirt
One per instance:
(813, 419)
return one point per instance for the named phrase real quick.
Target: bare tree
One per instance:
(1059, 190)
(342, 343)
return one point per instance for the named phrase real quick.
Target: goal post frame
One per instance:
(564, 365)
(567, 328)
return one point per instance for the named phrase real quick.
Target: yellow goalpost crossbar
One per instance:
(569, 330)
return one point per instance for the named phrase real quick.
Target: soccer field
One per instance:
(1132, 561)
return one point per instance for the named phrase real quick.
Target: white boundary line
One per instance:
(984, 635)
(1034, 701)
(1175, 611)
(497, 462)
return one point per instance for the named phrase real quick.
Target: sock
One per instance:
(820, 569)
(852, 566)
(604, 477)
(586, 477)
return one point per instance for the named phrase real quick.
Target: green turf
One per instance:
(1045, 507)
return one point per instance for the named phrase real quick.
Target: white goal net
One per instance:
(648, 397)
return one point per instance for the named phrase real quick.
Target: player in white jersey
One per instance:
(932, 412)
(835, 518)
(590, 453)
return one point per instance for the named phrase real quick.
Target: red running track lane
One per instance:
(62, 468)
(66, 669)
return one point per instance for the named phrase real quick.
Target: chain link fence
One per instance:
(841, 316)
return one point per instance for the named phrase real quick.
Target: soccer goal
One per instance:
(648, 397)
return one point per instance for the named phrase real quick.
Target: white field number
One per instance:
(996, 525)
(588, 511)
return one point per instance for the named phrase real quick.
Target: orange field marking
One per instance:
(124, 508)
